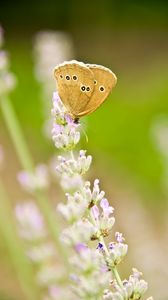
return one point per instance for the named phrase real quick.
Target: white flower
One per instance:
(134, 288)
(74, 166)
(117, 251)
(94, 196)
(65, 136)
(75, 207)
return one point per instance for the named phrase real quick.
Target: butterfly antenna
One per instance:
(84, 132)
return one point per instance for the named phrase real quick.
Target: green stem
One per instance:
(24, 156)
(114, 269)
(72, 155)
(16, 133)
(117, 277)
(22, 267)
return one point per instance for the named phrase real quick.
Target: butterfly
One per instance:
(83, 87)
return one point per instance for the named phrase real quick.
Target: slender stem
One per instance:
(24, 156)
(22, 267)
(16, 133)
(117, 277)
(114, 269)
(72, 155)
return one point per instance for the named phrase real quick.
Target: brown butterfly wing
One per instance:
(104, 80)
(75, 84)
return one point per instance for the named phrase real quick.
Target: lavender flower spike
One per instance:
(64, 133)
(90, 220)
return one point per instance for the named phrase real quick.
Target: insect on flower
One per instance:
(83, 87)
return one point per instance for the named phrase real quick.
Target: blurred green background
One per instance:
(131, 38)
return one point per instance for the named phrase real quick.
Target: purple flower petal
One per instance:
(95, 212)
(81, 247)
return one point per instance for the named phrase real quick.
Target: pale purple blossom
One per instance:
(102, 217)
(65, 132)
(38, 247)
(65, 136)
(133, 288)
(119, 237)
(33, 181)
(95, 212)
(79, 165)
(117, 253)
(68, 183)
(80, 232)
(30, 221)
(74, 208)
(91, 276)
(81, 247)
(107, 209)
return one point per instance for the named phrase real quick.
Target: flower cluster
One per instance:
(31, 223)
(91, 273)
(133, 288)
(90, 220)
(7, 79)
(39, 249)
(34, 181)
(74, 166)
(64, 133)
